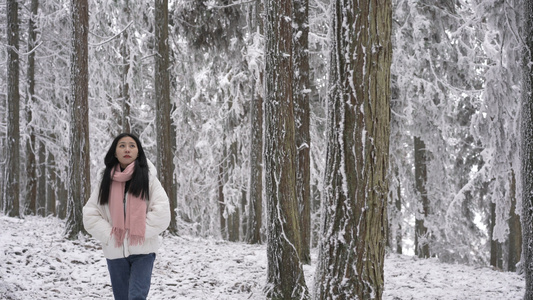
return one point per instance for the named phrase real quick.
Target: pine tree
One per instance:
(165, 159)
(12, 175)
(31, 177)
(79, 175)
(255, 190)
(354, 218)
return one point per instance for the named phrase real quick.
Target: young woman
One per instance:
(126, 213)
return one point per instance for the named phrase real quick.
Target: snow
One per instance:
(36, 262)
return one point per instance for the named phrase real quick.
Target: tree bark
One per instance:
(527, 150)
(31, 177)
(12, 173)
(51, 185)
(515, 230)
(354, 217)
(421, 231)
(285, 277)
(165, 159)
(255, 203)
(255, 194)
(41, 179)
(222, 202)
(301, 90)
(496, 255)
(79, 175)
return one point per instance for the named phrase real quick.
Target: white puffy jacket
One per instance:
(97, 220)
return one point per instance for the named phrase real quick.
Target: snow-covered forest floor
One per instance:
(36, 262)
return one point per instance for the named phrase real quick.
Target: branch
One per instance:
(111, 38)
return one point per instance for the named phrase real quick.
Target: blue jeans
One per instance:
(131, 276)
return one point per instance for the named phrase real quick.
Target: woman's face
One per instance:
(126, 151)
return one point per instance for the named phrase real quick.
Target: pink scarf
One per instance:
(135, 213)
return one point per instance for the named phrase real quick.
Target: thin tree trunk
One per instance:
(79, 175)
(50, 185)
(255, 191)
(255, 203)
(41, 179)
(421, 231)
(62, 195)
(31, 190)
(496, 254)
(354, 216)
(222, 202)
(12, 173)
(125, 87)
(515, 230)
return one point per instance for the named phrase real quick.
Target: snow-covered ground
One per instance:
(36, 262)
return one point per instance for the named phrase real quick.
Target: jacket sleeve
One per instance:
(158, 215)
(94, 216)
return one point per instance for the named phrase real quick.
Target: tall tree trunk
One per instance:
(31, 190)
(354, 215)
(165, 159)
(301, 91)
(285, 277)
(421, 177)
(234, 217)
(79, 175)
(255, 190)
(125, 87)
(255, 203)
(527, 150)
(515, 230)
(12, 172)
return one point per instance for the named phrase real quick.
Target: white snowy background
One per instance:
(36, 262)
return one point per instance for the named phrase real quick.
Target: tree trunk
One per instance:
(12, 173)
(50, 185)
(255, 191)
(62, 195)
(31, 186)
(125, 87)
(421, 177)
(354, 216)
(301, 90)
(496, 254)
(165, 159)
(515, 230)
(222, 202)
(285, 277)
(399, 218)
(79, 175)
(41, 179)
(255, 203)
(527, 150)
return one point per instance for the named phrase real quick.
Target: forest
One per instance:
(355, 127)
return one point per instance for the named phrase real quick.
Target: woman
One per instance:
(126, 214)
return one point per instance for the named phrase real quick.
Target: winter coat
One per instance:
(97, 220)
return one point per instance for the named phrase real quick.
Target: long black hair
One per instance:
(139, 181)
